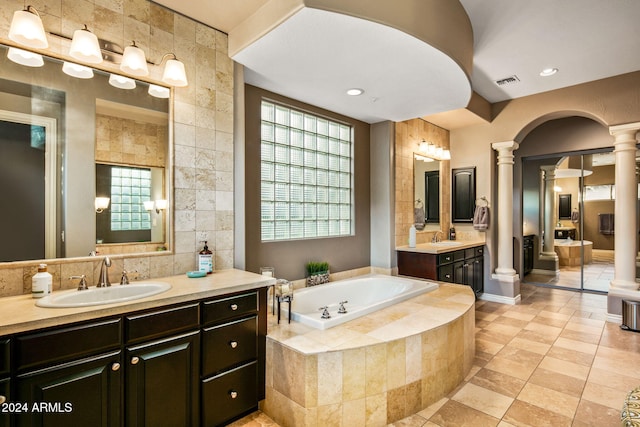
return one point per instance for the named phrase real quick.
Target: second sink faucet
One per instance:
(103, 281)
(435, 237)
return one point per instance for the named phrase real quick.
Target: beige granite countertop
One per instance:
(20, 313)
(431, 248)
(404, 319)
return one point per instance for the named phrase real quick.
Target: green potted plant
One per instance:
(317, 273)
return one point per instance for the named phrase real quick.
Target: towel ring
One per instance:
(481, 200)
(418, 203)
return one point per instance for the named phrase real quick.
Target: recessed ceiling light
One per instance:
(355, 92)
(548, 72)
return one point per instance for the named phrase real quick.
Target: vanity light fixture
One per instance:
(423, 147)
(355, 91)
(548, 72)
(85, 46)
(159, 91)
(77, 70)
(27, 29)
(134, 61)
(24, 57)
(101, 203)
(174, 74)
(121, 82)
(158, 205)
(446, 155)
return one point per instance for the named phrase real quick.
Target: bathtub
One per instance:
(570, 252)
(364, 294)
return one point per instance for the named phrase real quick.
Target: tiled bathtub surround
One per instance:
(373, 370)
(203, 129)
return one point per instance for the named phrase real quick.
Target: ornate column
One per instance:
(505, 270)
(626, 211)
(548, 251)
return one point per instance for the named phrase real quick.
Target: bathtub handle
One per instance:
(325, 312)
(341, 309)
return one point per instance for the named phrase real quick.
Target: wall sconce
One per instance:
(101, 204)
(77, 70)
(158, 205)
(174, 74)
(134, 61)
(24, 57)
(85, 46)
(27, 29)
(121, 82)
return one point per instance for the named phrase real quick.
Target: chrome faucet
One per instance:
(103, 281)
(436, 238)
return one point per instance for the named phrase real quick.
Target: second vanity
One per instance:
(459, 262)
(194, 355)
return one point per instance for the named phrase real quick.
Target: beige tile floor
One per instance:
(550, 361)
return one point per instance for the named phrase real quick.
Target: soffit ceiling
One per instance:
(585, 39)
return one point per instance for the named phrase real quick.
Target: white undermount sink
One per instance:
(446, 243)
(98, 296)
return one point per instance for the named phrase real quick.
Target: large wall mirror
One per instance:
(66, 145)
(426, 184)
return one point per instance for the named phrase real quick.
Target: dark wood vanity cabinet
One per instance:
(195, 364)
(464, 266)
(527, 254)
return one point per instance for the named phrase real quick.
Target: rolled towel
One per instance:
(481, 218)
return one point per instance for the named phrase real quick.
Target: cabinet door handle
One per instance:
(234, 307)
(233, 394)
(448, 276)
(135, 360)
(2, 399)
(233, 344)
(115, 366)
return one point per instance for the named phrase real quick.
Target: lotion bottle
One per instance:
(412, 236)
(41, 282)
(205, 259)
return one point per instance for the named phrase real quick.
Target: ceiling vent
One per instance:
(508, 80)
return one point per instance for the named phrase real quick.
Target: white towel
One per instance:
(481, 218)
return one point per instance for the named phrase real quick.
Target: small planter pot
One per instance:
(318, 279)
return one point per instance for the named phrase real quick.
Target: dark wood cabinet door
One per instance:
(477, 268)
(163, 382)
(463, 194)
(432, 197)
(81, 393)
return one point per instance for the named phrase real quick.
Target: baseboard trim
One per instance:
(614, 318)
(501, 299)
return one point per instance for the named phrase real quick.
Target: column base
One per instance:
(505, 272)
(548, 256)
(625, 284)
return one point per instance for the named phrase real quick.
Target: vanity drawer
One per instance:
(445, 273)
(229, 345)
(220, 310)
(156, 324)
(4, 357)
(229, 395)
(445, 258)
(60, 345)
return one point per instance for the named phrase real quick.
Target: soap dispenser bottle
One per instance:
(412, 236)
(41, 282)
(205, 259)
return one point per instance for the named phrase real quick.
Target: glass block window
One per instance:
(599, 192)
(130, 188)
(306, 175)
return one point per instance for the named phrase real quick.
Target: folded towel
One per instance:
(606, 223)
(481, 218)
(575, 216)
(418, 215)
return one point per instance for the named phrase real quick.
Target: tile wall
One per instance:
(202, 126)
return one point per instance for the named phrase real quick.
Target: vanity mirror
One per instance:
(426, 184)
(58, 133)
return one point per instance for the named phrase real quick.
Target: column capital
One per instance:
(625, 129)
(506, 145)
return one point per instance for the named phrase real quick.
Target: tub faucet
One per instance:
(341, 309)
(325, 312)
(103, 281)
(436, 238)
